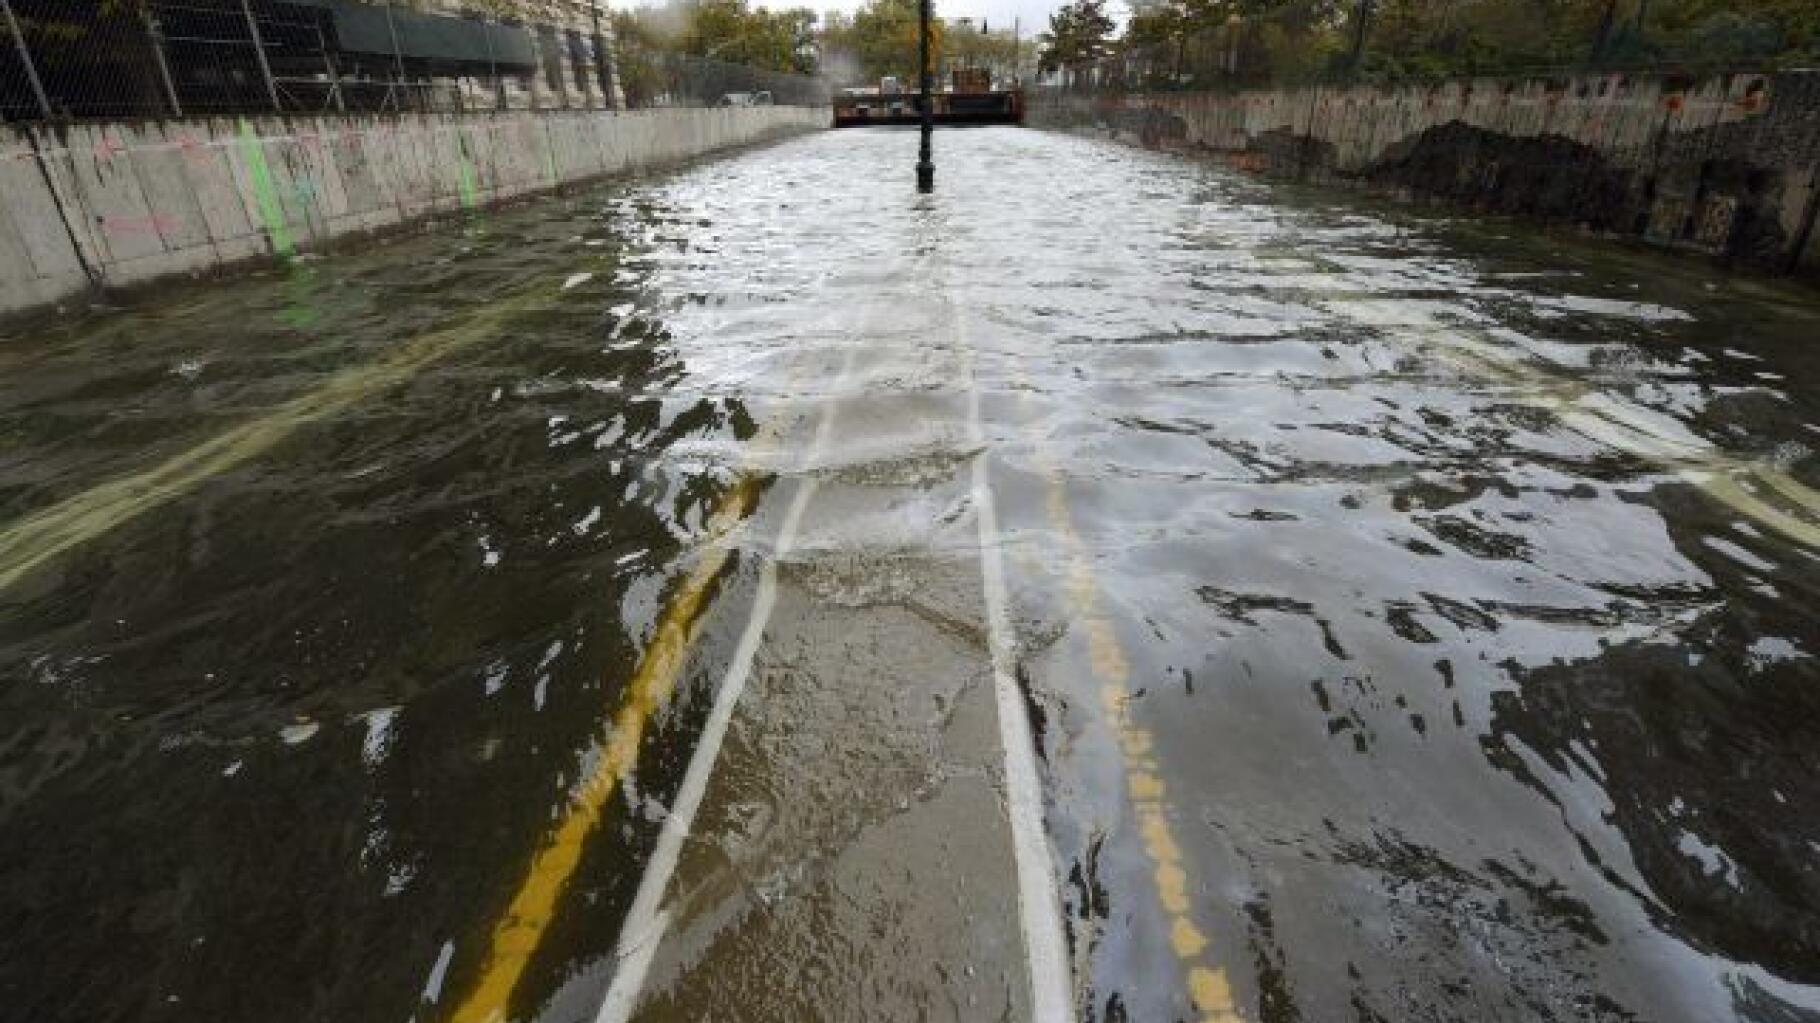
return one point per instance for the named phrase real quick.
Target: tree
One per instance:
(725, 30)
(1079, 35)
(879, 39)
(977, 46)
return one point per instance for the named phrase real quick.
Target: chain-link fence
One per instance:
(63, 60)
(1391, 41)
(660, 78)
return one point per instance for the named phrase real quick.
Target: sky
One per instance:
(998, 14)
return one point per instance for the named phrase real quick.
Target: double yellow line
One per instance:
(520, 930)
(30, 543)
(1764, 494)
(1209, 987)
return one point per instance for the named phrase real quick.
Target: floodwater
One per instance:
(1110, 587)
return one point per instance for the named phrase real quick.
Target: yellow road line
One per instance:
(520, 930)
(1209, 988)
(1720, 477)
(30, 543)
(645, 923)
(1052, 995)
(1732, 481)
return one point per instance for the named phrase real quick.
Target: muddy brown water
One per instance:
(1416, 616)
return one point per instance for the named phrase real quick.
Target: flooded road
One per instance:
(1109, 588)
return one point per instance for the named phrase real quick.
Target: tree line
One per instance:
(877, 40)
(1205, 43)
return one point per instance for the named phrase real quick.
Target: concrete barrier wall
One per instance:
(114, 205)
(1726, 164)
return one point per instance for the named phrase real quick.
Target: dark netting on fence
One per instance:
(64, 60)
(654, 78)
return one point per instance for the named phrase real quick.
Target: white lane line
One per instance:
(1038, 896)
(646, 923)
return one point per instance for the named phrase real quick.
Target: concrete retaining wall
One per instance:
(115, 205)
(1728, 165)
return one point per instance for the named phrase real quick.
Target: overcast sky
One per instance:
(998, 13)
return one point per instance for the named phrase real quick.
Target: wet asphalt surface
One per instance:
(1415, 616)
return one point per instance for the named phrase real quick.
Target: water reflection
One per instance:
(1467, 585)
(1451, 586)
(277, 737)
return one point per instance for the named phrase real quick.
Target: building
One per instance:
(573, 40)
(191, 57)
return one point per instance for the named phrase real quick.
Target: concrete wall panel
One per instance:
(42, 244)
(101, 162)
(140, 202)
(1722, 164)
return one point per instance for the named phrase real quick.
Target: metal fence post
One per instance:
(537, 81)
(397, 56)
(602, 68)
(265, 68)
(25, 58)
(493, 79)
(1362, 26)
(156, 34)
(328, 61)
(560, 40)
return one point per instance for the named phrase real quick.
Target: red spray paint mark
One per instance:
(193, 151)
(156, 223)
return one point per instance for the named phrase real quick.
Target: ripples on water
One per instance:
(1471, 715)
(1466, 712)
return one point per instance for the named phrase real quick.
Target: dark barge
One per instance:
(970, 100)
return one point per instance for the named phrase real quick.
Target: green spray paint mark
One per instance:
(270, 209)
(300, 308)
(470, 195)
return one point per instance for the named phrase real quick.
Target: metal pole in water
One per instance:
(925, 165)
